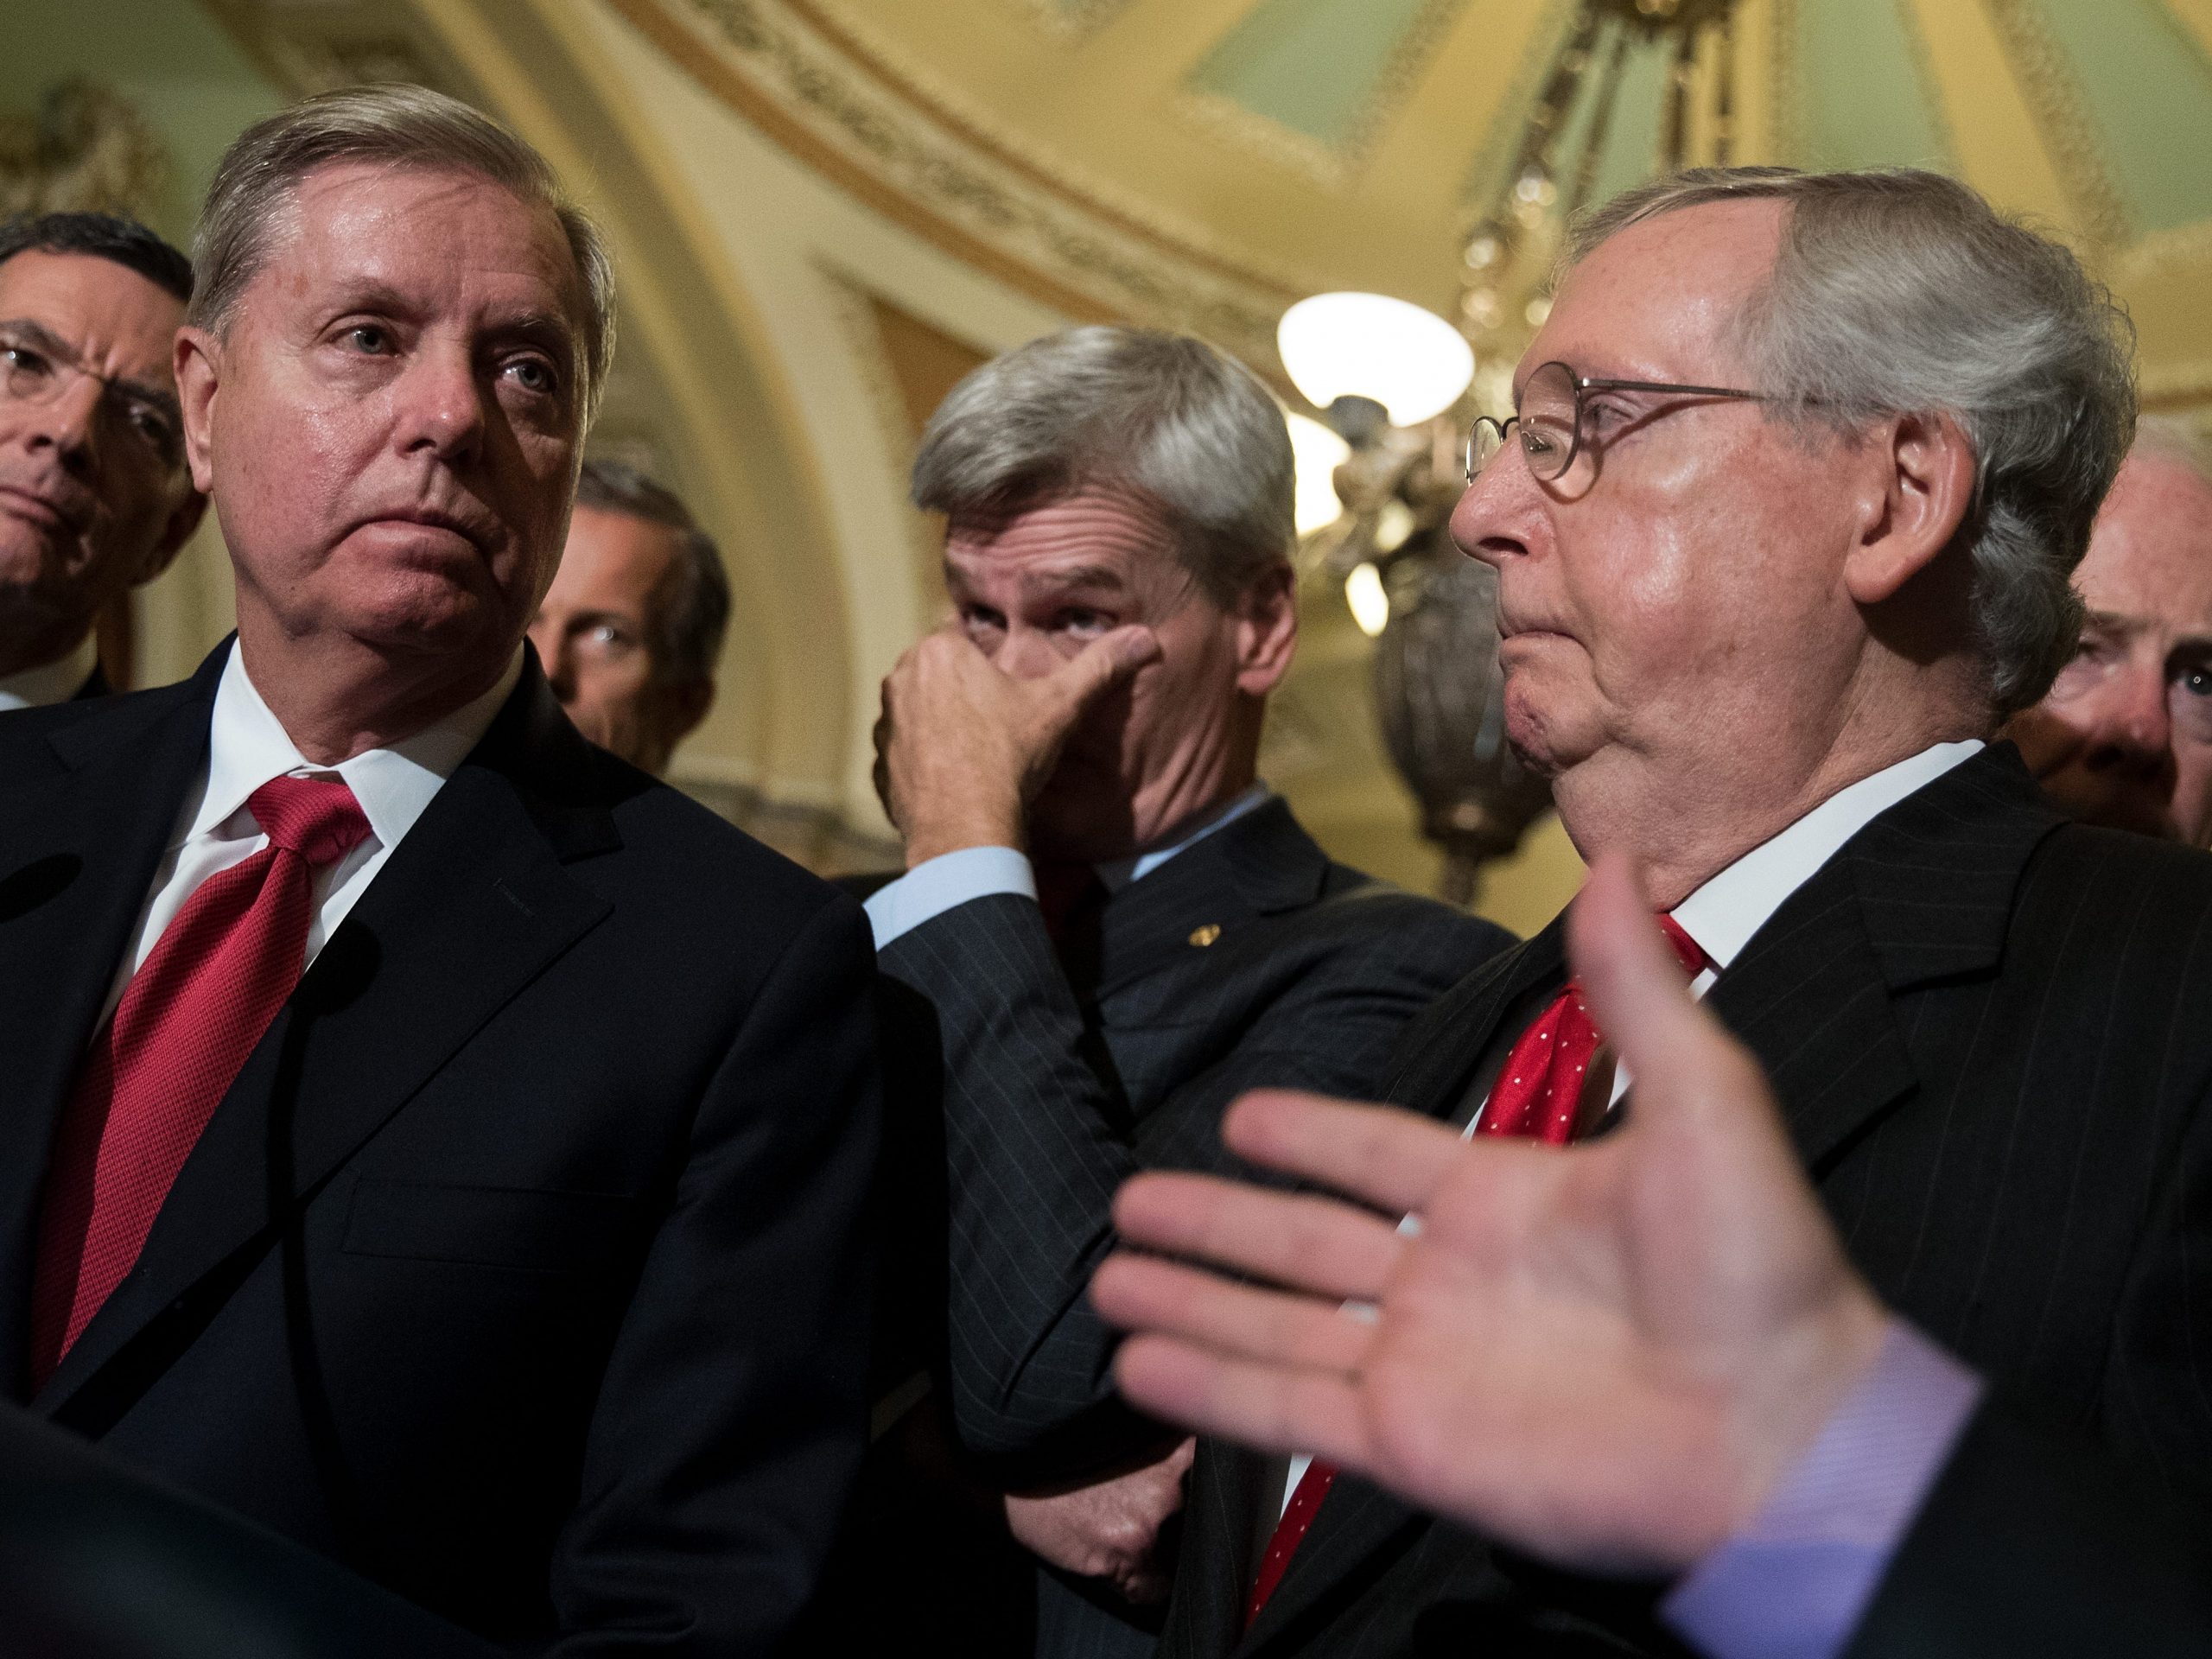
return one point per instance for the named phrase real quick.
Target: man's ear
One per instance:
(1267, 630)
(1919, 491)
(198, 358)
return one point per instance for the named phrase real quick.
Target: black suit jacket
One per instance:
(521, 1267)
(1988, 1031)
(2033, 1545)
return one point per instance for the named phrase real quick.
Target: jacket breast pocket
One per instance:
(486, 1226)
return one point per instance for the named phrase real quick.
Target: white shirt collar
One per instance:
(1119, 873)
(1723, 913)
(247, 746)
(50, 683)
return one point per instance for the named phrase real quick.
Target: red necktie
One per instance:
(186, 1023)
(1537, 1095)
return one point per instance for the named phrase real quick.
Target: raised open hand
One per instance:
(1605, 1354)
(962, 748)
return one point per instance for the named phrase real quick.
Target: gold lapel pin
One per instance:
(1206, 935)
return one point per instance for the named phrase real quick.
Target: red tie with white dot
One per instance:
(1537, 1096)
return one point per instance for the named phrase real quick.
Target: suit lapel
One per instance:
(1261, 864)
(1445, 1046)
(1356, 1522)
(1923, 893)
(81, 847)
(472, 906)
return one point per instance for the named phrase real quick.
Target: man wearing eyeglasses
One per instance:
(2124, 736)
(1799, 468)
(94, 496)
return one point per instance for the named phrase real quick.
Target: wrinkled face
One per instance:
(391, 437)
(1679, 588)
(596, 630)
(2125, 737)
(94, 492)
(1034, 589)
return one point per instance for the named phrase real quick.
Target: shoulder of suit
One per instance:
(24, 732)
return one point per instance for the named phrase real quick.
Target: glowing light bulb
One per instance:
(1409, 360)
(1317, 452)
(1370, 605)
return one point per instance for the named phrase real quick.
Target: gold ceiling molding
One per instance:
(85, 149)
(772, 62)
(1333, 166)
(1487, 175)
(2048, 85)
(1072, 19)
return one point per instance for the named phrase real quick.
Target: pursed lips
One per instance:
(42, 510)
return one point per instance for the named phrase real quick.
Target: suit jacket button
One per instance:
(1206, 935)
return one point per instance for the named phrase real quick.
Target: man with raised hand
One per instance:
(1113, 925)
(1799, 468)
(427, 1134)
(1647, 1356)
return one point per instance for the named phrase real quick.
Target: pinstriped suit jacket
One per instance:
(1062, 1077)
(1991, 1032)
(1063, 1074)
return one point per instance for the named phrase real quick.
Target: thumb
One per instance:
(1680, 1057)
(1103, 664)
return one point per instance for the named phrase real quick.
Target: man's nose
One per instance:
(1026, 654)
(66, 425)
(555, 658)
(442, 405)
(2132, 720)
(1493, 519)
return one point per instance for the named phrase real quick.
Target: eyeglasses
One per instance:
(33, 371)
(1551, 421)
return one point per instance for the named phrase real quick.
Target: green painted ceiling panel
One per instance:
(1312, 66)
(2149, 94)
(1865, 98)
(1628, 148)
(170, 59)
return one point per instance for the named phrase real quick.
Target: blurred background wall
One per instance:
(825, 211)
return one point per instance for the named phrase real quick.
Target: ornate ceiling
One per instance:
(1201, 162)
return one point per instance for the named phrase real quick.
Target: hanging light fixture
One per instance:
(1371, 353)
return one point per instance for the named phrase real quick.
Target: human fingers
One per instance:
(1390, 1159)
(1682, 1058)
(1301, 1241)
(1276, 1408)
(1100, 665)
(1141, 1292)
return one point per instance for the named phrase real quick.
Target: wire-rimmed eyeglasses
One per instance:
(1550, 418)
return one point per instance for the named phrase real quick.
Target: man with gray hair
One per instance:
(1113, 925)
(426, 1135)
(1799, 467)
(2124, 737)
(631, 630)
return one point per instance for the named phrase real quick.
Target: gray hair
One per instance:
(1899, 291)
(688, 626)
(402, 127)
(1165, 415)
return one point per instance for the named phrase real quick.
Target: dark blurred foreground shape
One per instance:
(97, 1561)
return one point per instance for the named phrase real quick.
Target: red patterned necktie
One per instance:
(1538, 1096)
(187, 1021)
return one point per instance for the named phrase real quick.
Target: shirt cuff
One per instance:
(937, 885)
(1794, 1582)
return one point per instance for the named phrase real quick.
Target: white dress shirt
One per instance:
(1722, 915)
(950, 880)
(246, 748)
(50, 683)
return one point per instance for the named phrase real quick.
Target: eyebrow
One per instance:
(35, 333)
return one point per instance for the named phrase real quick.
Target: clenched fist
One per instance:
(962, 748)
